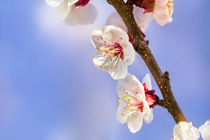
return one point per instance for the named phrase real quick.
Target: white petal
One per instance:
(135, 122)
(119, 70)
(205, 130)
(142, 19)
(70, 2)
(122, 113)
(64, 9)
(128, 51)
(149, 117)
(110, 34)
(147, 81)
(114, 34)
(82, 15)
(54, 3)
(100, 60)
(185, 131)
(96, 36)
(132, 84)
(116, 20)
(147, 112)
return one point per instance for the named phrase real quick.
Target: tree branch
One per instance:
(125, 10)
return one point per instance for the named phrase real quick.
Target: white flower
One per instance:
(142, 19)
(162, 12)
(185, 131)
(115, 52)
(133, 107)
(75, 11)
(205, 130)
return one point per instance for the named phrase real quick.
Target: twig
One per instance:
(125, 10)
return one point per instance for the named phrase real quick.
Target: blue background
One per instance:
(50, 89)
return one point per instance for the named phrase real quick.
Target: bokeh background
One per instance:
(50, 89)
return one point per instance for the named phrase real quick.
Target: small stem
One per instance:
(161, 103)
(125, 10)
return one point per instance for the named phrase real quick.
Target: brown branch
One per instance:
(125, 10)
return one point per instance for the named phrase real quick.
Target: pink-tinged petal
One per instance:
(54, 3)
(185, 131)
(205, 130)
(129, 52)
(119, 70)
(163, 11)
(135, 122)
(131, 84)
(142, 19)
(116, 20)
(161, 2)
(81, 15)
(147, 81)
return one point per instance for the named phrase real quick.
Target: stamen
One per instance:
(170, 6)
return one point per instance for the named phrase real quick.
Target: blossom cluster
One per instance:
(186, 131)
(83, 12)
(115, 53)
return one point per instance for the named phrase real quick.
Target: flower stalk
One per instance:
(125, 10)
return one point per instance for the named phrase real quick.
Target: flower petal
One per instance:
(161, 12)
(82, 15)
(147, 81)
(96, 38)
(148, 117)
(54, 3)
(185, 131)
(128, 51)
(122, 113)
(132, 84)
(147, 112)
(119, 70)
(205, 130)
(64, 9)
(135, 122)
(114, 34)
(110, 34)
(116, 20)
(100, 60)
(142, 19)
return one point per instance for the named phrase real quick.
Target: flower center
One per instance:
(131, 103)
(170, 6)
(111, 51)
(81, 3)
(150, 96)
